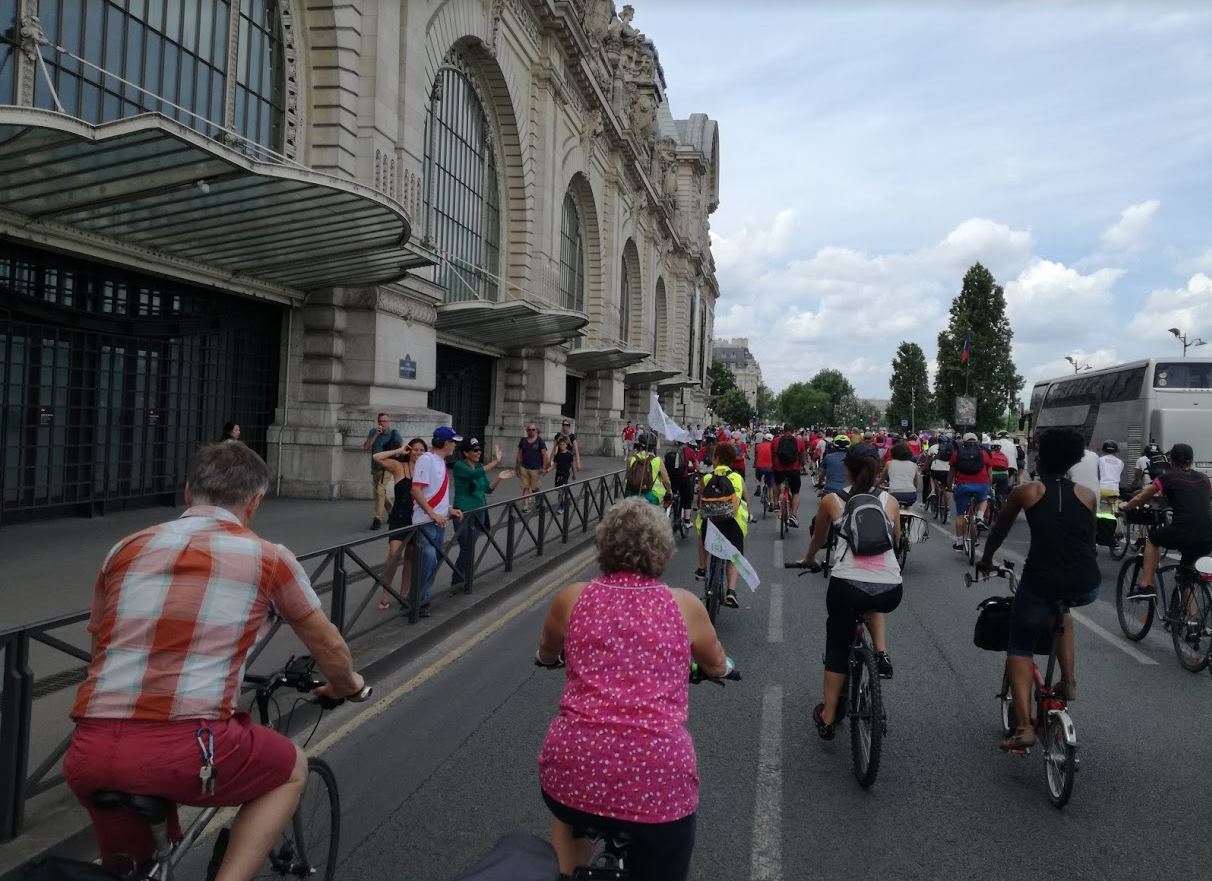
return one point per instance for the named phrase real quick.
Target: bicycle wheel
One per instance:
(1119, 545)
(308, 846)
(867, 717)
(902, 552)
(1060, 762)
(1192, 628)
(945, 507)
(765, 502)
(1006, 699)
(782, 519)
(1135, 616)
(714, 587)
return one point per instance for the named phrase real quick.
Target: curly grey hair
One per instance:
(634, 536)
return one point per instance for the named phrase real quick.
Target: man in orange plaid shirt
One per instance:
(175, 611)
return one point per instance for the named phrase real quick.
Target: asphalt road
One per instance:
(430, 779)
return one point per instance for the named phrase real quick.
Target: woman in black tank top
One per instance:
(1060, 565)
(398, 463)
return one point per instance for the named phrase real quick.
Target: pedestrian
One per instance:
(533, 461)
(566, 468)
(432, 494)
(380, 439)
(400, 547)
(231, 432)
(569, 435)
(471, 490)
(628, 439)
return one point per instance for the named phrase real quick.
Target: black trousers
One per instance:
(845, 601)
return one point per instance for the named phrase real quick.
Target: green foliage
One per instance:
(835, 385)
(733, 408)
(801, 405)
(765, 401)
(910, 385)
(979, 309)
(852, 412)
(723, 380)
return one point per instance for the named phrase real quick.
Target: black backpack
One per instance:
(865, 527)
(1157, 466)
(970, 460)
(788, 451)
(639, 479)
(718, 500)
(945, 451)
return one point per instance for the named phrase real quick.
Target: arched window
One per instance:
(694, 321)
(572, 258)
(178, 52)
(624, 301)
(660, 322)
(462, 199)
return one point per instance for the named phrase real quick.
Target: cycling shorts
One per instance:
(1029, 616)
(763, 474)
(966, 493)
(1189, 547)
(792, 479)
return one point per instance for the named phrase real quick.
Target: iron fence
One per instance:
(489, 540)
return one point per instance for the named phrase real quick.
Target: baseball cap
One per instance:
(472, 444)
(970, 437)
(446, 433)
(1181, 453)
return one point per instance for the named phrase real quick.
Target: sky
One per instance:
(872, 151)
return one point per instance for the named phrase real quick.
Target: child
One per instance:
(564, 461)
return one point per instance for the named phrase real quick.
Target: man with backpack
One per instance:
(970, 467)
(646, 475)
(724, 502)
(786, 454)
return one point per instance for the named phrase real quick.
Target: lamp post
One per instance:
(1182, 338)
(1078, 367)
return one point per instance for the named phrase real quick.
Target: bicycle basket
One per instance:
(916, 527)
(992, 630)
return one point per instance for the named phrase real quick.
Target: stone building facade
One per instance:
(481, 211)
(736, 356)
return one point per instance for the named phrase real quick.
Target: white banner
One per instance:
(718, 546)
(660, 422)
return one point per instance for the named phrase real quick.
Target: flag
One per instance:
(967, 350)
(718, 546)
(658, 421)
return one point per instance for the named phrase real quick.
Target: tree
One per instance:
(990, 375)
(835, 385)
(733, 408)
(852, 412)
(765, 401)
(723, 380)
(910, 385)
(801, 405)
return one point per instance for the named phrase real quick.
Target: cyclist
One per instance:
(1110, 474)
(833, 468)
(900, 474)
(970, 479)
(1190, 530)
(734, 529)
(869, 585)
(787, 454)
(681, 466)
(175, 612)
(646, 474)
(940, 465)
(763, 463)
(1150, 466)
(618, 757)
(742, 452)
(1060, 565)
(1005, 443)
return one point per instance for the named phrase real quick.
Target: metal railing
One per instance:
(489, 540)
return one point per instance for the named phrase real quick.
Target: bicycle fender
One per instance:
(1066, 726)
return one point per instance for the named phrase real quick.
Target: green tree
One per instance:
(990, 375)
(733, 408)
(852, 412)
(835, 385)
(765, 401)
(910, 385)
(723, 380)
(801, 405)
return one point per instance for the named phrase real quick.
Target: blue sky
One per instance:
(872, 151)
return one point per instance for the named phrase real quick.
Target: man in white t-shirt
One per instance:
(1110, 471)
(1085, 472)
(432, 492)
(1006, 444)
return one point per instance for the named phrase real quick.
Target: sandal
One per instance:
(384, 605)
(1019, 742)
(1067, 691)
(823, 729)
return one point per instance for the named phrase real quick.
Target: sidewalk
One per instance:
(50, 566)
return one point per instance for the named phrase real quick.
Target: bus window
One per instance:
(1183, 376)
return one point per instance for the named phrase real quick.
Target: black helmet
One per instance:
(1151, 449)
(1110, 447)
(645, 441)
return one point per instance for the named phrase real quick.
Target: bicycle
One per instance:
(1050, 721)
(902, 548)
(971, 532)
(784, 508)
(938, 502)
(1131, 527)
(1187, 609)
(611, 862)
(763, 489)
(673, 505)
(305, 849)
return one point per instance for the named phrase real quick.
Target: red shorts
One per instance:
(163, 759)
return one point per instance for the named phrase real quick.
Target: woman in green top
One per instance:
(471, 489)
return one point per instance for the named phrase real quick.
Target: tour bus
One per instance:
(1164, 401)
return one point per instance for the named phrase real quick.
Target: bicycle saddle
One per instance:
(154, 808)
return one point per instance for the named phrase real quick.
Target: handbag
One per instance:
(992, 629)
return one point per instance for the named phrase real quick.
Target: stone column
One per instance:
(531, 384)
(600, 427)
(351, 353)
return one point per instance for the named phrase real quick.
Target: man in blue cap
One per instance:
(432, 492)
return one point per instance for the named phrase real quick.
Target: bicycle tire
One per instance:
(1006, 700)
(946, 508)
(902, 553)
(1119, 546)
(1134, 622)
(1060, 762)
(308, 847)
(782, 520)
(866, 717)
(1192, 655)
(714, 587)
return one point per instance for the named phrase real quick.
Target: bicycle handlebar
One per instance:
(1005, 570)
(299, 674)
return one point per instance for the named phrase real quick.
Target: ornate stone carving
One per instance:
(389, 302)
(596, 19)
(591, 126)
(496, 14)
(31, 39)
(643, 117)
(294, 113)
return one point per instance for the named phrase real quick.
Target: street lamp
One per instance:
(1182, 338)
(1077, 367)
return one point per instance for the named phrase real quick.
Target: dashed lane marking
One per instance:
(766, 861)
(775, 633)
(778, 555)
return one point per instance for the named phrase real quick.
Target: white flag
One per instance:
(718, 546)
(659, 421)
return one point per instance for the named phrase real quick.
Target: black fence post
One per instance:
(586, 501)
(566, 504)
(414, 581)
(469, 564)
(16, 707)
(338, 590)
(538, 540)
(509, 537)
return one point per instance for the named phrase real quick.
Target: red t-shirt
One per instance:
(763, 455)
(629, 433)
(981, 476)
(799, 446)
(742, 450)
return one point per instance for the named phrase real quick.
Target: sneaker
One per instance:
(687, 523)
(823, 730)
(957, 545)
(700, 575)
(793, 521)
(883, 664)
(1140, 592)
(424, 613)
(981, 525)
(559, 509)
(731, 601)
(376, 523)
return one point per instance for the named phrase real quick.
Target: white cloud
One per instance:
(1048, 299)
(1193, 265)
(1059, 366)
(1129, 232)
(1189, 309)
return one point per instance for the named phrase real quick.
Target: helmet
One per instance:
(709, 438)
(1151, 449)
(841, 441)
(1002, 434)
(645, 441)
(1110, 447)
(769, 436)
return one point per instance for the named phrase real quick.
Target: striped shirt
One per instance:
(176, 609)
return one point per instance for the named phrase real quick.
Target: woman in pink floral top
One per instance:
(618, 755)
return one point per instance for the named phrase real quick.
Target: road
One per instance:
(434, 776)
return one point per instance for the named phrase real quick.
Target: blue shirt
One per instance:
(387, 440)
(835, 471)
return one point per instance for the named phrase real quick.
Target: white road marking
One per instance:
(775, 633)
(766, 862)
(778, 555)
(1097, 629)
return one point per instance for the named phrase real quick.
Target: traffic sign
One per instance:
(904, 423)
